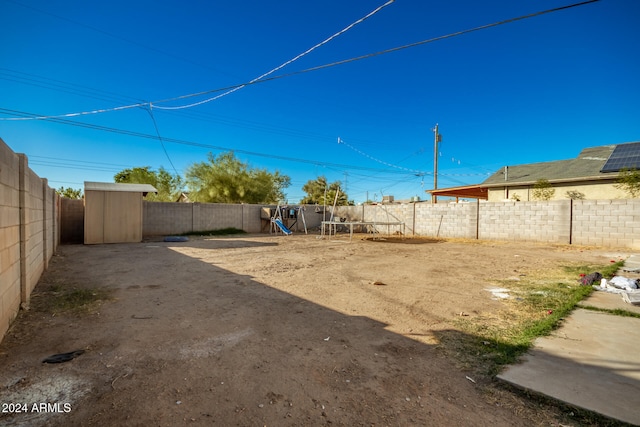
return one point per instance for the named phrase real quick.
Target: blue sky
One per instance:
(535, 90)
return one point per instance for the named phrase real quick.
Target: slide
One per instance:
(283, 227)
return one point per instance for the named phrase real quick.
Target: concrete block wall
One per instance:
(28, 232)
(9, 236)
(313, 216)
(34, 227)
(249, 215)
(213, 216)
(388, 213)
(548, 221)
(350, 213)
(457, 220)
(162, 218)
(613, 223)
(51, 226)
(166, 218)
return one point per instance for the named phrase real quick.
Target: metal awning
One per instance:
(476, 191)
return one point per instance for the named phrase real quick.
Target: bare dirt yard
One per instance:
(269, 331)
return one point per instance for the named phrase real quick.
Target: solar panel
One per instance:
(624, 156)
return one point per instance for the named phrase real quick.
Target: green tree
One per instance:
(315, 190)
(70, 193)
(629, 181)
(542, 190)
(225, 179)
(169, 186)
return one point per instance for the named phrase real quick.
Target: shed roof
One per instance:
(111, 186)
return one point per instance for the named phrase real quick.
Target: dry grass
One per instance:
(60, 298)
(538, 303)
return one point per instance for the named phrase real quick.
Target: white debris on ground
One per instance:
(499, 293)
(628, 288)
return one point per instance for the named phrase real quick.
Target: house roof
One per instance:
(586, 166)
(111, 186)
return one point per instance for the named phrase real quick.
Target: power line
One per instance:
(59, 85)
(333, 166)
(226, 91)
(78, 161)
(279, 67)
(191, 143)
(155, 125)
(308, 70)
(85, 91)
(340, 141)
(72, 166)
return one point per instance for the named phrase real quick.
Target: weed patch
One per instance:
(58, 298)
(539, 302)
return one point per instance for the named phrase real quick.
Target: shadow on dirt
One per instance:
(186, 340)
(405, 240)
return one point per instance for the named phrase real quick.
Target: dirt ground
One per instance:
(269, 331)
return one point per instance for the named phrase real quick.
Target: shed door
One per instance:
(93, 217)
(122, 217)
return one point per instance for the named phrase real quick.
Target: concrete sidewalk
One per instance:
(591, 362)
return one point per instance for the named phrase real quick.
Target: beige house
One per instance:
(591, 175)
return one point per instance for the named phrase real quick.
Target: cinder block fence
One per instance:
(610, 223)
(28, 232)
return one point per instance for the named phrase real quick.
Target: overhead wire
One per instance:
(74, 164)
(89, 92)
(284, 64)
(340, 167)
(227, 91)
(362, 153)
(194, 144)
(155, 125)
(62, 86)
(383, 52)
(308, 70)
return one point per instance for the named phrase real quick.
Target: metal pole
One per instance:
(434, 198)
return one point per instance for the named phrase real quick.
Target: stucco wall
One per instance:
(28, 232)
(590, 190)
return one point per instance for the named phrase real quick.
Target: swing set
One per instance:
(284, 218)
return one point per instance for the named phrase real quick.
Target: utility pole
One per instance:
(437, 138)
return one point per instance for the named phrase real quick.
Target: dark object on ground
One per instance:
(590, 279)
(63, 357)
(176, 239)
